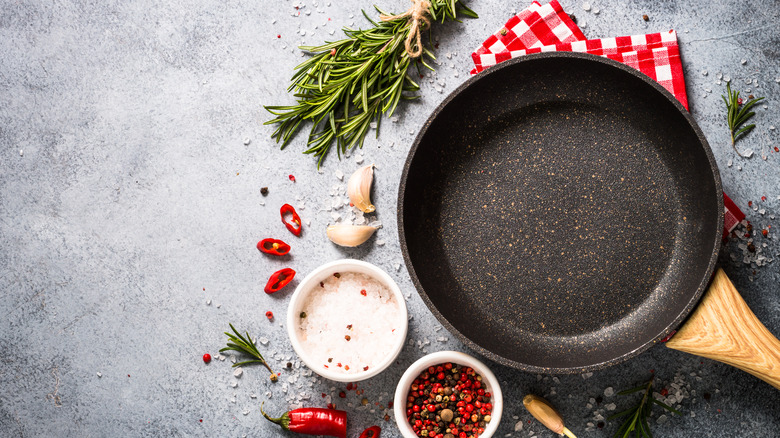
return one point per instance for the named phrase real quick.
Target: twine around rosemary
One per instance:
(418, 18)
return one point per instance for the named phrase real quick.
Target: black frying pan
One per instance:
(561, 212)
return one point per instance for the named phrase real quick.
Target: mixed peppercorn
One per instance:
(448, 401)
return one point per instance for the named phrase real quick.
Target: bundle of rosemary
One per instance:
(346, 85)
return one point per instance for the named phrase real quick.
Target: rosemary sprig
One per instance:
(636, 420)
(236, 342)
(346, 85)
(738, 114)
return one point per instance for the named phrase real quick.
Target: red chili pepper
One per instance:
(273, 247)
(313, 421)
(371, 432)
(279, 280)
(293, 223)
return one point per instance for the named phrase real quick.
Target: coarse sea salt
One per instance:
(342, 326)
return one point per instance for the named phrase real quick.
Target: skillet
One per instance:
(562, 212)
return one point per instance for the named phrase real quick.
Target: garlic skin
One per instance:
(349, 235)
(359, 188)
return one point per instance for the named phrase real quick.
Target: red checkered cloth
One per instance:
(547, 28)
(534, 26)
(656, 55)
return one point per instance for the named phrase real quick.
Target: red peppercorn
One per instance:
(292, 178)
(342, 394)
(363, 292)
(664, 392)
(269, 315)
(431, 408)
(207, 358)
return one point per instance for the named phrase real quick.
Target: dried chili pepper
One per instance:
(279, 280)
(371, 432)
(313, 421)
(273, 247)
(293, 221)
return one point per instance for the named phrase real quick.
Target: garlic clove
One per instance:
(349, 235)
(543, 411)
(359, 188)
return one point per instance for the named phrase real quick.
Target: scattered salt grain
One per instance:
(208, 302)
(743, 61)
(587, 375)
(99, 374)
(21, 152)
(662, 419)
(730, 163)
(238, 372)
(748, 153)
(233, 384)
(704, 72)
(586, 6)
(358, 159)
(519, 426)
(263, 340)
(609, 392)
(247, 141)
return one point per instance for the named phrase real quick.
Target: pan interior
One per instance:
(559, 223)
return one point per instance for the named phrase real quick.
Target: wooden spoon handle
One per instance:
(723, 328)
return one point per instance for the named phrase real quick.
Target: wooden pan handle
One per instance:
(723, 328)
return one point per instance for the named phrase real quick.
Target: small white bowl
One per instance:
(488, 378)
(310, 282)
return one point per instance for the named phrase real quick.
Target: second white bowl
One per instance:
(488, 378)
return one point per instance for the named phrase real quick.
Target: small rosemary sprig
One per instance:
(738, 114)
(236, 342)
(346, 85)
(636, 420)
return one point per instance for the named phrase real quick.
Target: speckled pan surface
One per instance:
(560, 213)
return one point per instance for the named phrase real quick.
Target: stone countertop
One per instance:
(130, 207)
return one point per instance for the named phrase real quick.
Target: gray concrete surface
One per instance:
(128, 199)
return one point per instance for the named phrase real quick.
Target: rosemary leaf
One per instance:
(245, 345)
(346, 85)
(638, 415)
(737, 114)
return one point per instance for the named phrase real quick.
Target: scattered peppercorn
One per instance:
(264, 191)
(292, 178)
(269, 315)
(645, 17)
(573, 18)
(302, 315)
(206, 358)
(751, 247)
(764, 232)
(347, 337)
(289, 364)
